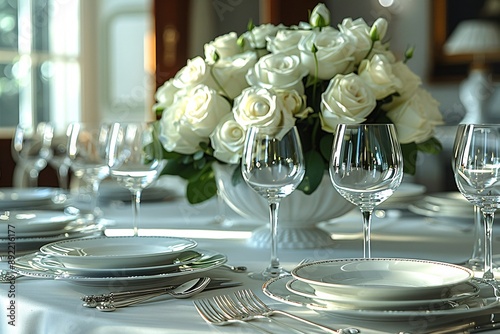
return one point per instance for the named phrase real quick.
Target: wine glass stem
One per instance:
(488, 250)
(62, 175)
(367, 220)
(136, 206)
(33, 177)
(477, 257)
(273, 212)
(93, 200)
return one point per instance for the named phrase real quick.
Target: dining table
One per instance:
(30, 305)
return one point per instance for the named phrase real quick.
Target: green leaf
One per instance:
(315, 168)
(432, 146)
(325, 146)
(201, 188)
(410, 152)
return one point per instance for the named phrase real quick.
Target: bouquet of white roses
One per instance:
(311, 75)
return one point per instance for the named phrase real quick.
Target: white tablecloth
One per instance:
(45, 306)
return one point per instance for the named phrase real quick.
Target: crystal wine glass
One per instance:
(60, 160)
(86, 150)
(476, 261)
(273, 166)
(135, 160)
(366, 168)
(477, 175)
(31, 149)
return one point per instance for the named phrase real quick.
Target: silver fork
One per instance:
(250, 300)
(242, 309)
(212, 314)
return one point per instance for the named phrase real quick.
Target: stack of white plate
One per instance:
(23, 231)
(380, 286)
(12, 198)
(120, 261)
(443, 205)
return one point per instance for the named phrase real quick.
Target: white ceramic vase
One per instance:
(299, 214)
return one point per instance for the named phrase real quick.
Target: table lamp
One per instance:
(479, 39)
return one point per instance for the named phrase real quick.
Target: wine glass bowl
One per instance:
(477, 175)
(134, 157)
(273, 166)
(86, 150)
(366, 167)
(31, 149)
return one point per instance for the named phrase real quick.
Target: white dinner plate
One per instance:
(118, 252)
(277, 290)
(51, 263)
(23, 197)
(382, 278)
(28, 222)
(455, 293)
(75, 229)
(209, 260)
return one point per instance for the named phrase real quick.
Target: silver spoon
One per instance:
(236, 269)
(185, 290)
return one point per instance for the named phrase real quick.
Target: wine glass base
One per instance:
(269, 273)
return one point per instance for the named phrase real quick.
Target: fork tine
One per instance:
(207, 312)
(266, 310)
(227, 306)
(213, 314)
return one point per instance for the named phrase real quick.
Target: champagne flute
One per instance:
(135, 160)
(87, 154)
(31, 149)
(477, 175)
(366, 168)
(273, 166)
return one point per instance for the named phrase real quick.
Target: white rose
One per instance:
(204, 109)
(231, 73)
(191, 119)
(416, 118)
(320, 16)
(381, 25)
(287, 41)
(278, 71)
(377, 73)
(176, 136)
(165, 95)
(228, 140)
(359, 32)
(258, 35)
(261, 107)
(196, 72)
(294, 103)
(334, 52)
(225, 46)
(346, 100)
(410, 84)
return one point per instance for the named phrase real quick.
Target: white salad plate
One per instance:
(30, 222)
(26, 265)
(446, 204)
(22, 197)
(454, 294)
(382, 278)
(118, 252)
(49, 262)
(277, 289)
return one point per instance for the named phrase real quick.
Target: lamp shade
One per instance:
(474, 37)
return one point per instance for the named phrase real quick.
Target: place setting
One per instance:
(119, 261)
